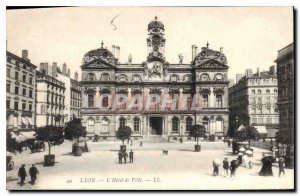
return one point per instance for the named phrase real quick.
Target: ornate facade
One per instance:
(202, 84)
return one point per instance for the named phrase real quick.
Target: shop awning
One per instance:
(272, 132)
(24, 121)
(28, 134)
(261, 129)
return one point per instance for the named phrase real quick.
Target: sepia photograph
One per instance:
(150, 98)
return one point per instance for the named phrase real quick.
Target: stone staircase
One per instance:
(155, 139)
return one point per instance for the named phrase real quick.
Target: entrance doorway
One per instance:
(156, 125)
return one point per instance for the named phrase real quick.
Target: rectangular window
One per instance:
(16, 105)
(269, 120)
(7, 104)
(253, 91)
(259, 101)
(24, 78)
(254, 120)
(219, 101)
(7, 72)
(17, 75)
(205, 100)
(24, 92)
(30, 81)
(30, 93)
(23, 106)
(259, 92)
(8, 59)
(8, 88)
(30, 107)
(16, 90)
(90, 101)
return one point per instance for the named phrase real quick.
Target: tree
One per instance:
(74, 129)
(247, 134)
(124, 133)
(52, 135)
(12, 145)
(197, 131)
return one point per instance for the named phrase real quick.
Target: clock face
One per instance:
(156, 40)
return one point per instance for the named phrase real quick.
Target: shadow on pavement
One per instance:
(11, 179)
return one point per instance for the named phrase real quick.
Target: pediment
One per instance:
(98, 64)
(212, 64)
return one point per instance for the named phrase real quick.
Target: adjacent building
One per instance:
(50, 97)
(253, 101)
(286, 93)
(104, 78)
(20, 92)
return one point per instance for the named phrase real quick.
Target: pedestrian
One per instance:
(125, 155)
(120, 157)
(181, 140)
(33, 172)
(228, 143)
(141, 144)
(131, 143)
(22, 174)
(250, 164)
(131, 156)
(281, 167)
(225, 166)
(216, 169)
(232, 170)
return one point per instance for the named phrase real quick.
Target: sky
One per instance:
(250, 36)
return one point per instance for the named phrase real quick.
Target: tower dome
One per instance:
(100, 53)
(156, 24)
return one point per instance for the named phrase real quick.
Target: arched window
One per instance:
(175, 124)
(90, 100)
(204, 77)
(105, 102)
(188, 123)
(90, 125)
(187, 78)
(219, 100)
(218, 77)
(136, 78)
(91, 77)
(136, 125)
(123, 78)
(205, 123)
(105, 124)
(122, 122)
(174, 78)
(105, 76)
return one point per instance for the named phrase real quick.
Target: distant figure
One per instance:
(240, 158)
(271, 142)
(141, 144)
(281, 167)
(180, 140)
(120, 157)
(125, 155)
(266, 169)
(216, 169)
(22, 174)
(226, 166)
(130, 58)
(131, 156)
(228, 142)
(33, 172)
(232, 170)
(250, 164)
(131, 142)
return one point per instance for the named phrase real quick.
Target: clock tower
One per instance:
(156, 40)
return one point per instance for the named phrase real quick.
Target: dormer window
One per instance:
(174, 78)
(123, 78)
(91, 77)
(105, 77)
(136, 78)
(204, 77)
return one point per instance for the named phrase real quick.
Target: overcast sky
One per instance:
(250, 36)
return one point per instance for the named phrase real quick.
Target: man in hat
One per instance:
(232, 169)
(226, 166)
(120, 155)
(125, 155)
(22, 174)
(33, 171)
(131, 156)
(281, 167)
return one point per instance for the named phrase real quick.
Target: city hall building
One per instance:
(201, 86)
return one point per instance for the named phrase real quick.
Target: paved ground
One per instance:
(181, 169)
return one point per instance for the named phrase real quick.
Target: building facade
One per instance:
(50, 97)
(20, 92)
(286, 93)
(75, 105)
(109, 87)
(253, 100)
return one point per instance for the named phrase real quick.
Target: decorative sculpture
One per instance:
(180, 58)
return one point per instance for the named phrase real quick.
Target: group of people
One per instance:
(122, 154)
(232, 167)
(33, 172)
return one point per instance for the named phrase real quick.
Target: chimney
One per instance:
(48, 72)
(114, 50)
(42, 67)
(272, 70)
(118, 53)
(64, 69)
(25, 55)
(54, 69)
(193, 52)
(68, 72)
(248, 73)
(258, 73)
(76, 76)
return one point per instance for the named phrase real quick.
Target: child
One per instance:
(225, 166)
(216, 169)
